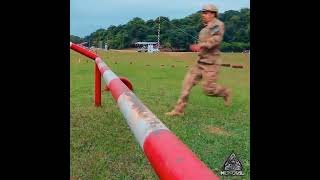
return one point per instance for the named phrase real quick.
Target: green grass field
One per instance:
(102, 145)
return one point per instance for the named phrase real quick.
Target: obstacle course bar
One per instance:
(169, 157)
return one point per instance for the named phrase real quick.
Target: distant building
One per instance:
(150, 47)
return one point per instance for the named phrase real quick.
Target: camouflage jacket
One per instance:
(210, 38)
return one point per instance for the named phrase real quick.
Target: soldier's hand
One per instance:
(194, 48)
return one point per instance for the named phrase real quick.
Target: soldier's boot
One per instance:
(178, 110)
(227, 97)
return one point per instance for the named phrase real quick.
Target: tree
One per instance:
(76, 39)
(177, 33)
(167, 44)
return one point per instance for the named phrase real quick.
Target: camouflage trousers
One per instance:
(209, 75)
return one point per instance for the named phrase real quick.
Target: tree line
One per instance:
(175, 33)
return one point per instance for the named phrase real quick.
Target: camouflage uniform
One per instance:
(206, 68)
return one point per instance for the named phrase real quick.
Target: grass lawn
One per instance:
(102, 145)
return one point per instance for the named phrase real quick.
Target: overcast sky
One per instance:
(86, 16)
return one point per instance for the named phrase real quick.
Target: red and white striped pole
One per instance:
(168, 156)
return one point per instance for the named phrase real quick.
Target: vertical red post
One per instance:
(97, 86)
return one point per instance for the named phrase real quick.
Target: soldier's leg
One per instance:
(209, 85)
(191, 79)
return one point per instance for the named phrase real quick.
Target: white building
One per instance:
(149, 47)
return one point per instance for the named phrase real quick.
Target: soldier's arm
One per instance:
(215, 39)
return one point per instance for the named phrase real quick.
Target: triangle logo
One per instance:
(232, 166)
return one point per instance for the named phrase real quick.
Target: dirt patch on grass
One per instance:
(126, 50)
(185, 56)
(218, 131)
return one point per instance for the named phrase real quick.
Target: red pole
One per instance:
(83, 51)
(97, 86)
